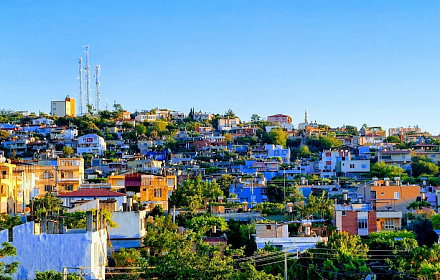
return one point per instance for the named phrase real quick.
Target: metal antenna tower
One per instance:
(98, 93)
(87, 74)
(80, 93)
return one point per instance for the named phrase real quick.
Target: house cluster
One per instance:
(131, 176)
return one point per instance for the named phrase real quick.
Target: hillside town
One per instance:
(163, 194)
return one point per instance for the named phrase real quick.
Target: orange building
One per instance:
(386, 195)
(155, 190)
(59, 175)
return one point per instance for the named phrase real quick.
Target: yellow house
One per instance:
(25, 182)
(155, 190)
(59, 175)
(8, 191)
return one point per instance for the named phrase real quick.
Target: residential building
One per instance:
(226, 124)
(278, 235)
(63, 108)
(69, 199)
(91, 143)
(398, 131)
(8, 190)
(400, 158)
(155, 190)
(386, 195)
(59, 175)
(146, 118)
(130, 231)
(430, 151)
(356, 218)
(280, 120)
(43, 121)
(46, 245)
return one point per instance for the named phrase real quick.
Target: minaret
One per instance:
(306, 119)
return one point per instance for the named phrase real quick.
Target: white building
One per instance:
(42, 247)
(130, 231)
(228, 123)
(278, 235)
(339, 162)
(145, 118)
(91, 143)
(43, 121)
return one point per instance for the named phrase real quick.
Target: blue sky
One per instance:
(348, 62)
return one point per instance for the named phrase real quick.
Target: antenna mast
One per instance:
(80, 93)
(87, 74)
(98, 93)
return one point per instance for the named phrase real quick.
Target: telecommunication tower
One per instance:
(87, 75)
(98, 93)
(80, 93)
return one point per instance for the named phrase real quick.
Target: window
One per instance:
(268, 227)
(362, 223)
(157, 192)
(373, 194)
(328, 163)
(10, 234)
(344, 213)
(263, 191)
(47, 175)
(69, 188)
(351, 165)
(389, 224)
(396, 195)
(170, 182)
(47, 188)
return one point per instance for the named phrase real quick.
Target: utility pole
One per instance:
(285, 263)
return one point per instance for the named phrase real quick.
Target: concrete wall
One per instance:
(55, 251)
(130, 231)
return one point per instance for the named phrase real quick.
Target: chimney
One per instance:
(387, 181)
(375, 181)
(397, 180)
(345, 195)
(220, 199)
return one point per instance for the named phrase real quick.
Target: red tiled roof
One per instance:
(92, 192)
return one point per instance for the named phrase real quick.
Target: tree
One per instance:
(225, 182)
(48, 203)
(230, 114)
(6, 269)
(383, 170)
(191, 193)
(319, 206)
(141, 129)
(157, 211)
(278, 136)
(393, 139)
(423, 228)
(67, 151)
(7, 221)
(200, 225)
(241, 235)
(255, 118)
(343, 257)
(54, 275)
(422, 165)
(304, 152)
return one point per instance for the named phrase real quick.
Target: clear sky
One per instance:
(348, 62)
